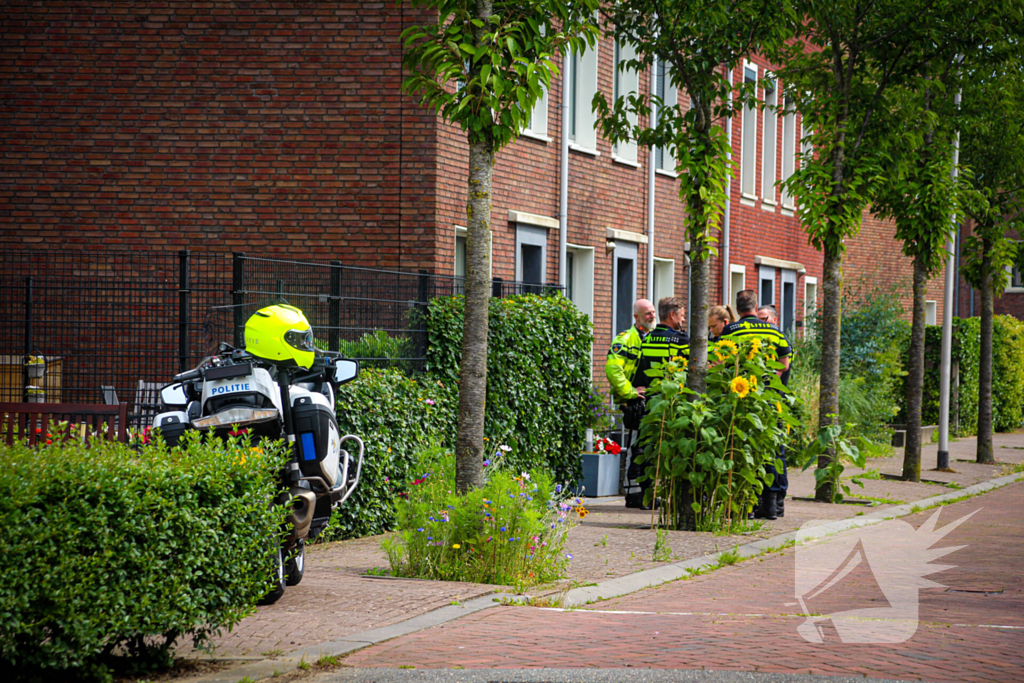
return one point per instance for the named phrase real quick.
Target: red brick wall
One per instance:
(1010, 302)
(267, 127)
(876, 257)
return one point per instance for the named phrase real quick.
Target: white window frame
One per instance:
(748, 140)
(769, 141)
(810, 299)
(670, 98)
(931, 309)
(582, 278)
(765, 273)
(788, 149)
(536, 236)
(625, 83)
(788, 277)
(537, 128)
(664, 279)
(734, 270)
(460, 231)
(583, 82)
(624, 250)
(1015, 280)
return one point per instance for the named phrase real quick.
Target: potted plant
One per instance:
(35, 366)
(601, 468)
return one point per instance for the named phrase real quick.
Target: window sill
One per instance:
(747, 200)
(768, 206)
(667, 174)
(573, 147)
(787, 211)
(534, 136)
(624, 162)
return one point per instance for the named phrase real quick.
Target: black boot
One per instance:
(635, 500)
(767, 510)
(780, 503)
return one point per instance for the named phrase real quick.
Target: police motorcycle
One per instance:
(279, 387)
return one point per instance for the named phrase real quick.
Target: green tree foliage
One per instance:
(694, 39)
(992, 146)
(482, 65)
(840, 73)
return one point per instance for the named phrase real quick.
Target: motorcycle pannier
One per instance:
(312, 431)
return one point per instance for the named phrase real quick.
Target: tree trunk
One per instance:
(915, 376)
(828, 396)
(469, 439)
(700, 276)
(984, 453)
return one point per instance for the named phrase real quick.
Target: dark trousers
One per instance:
(781, 482)
(634, 488)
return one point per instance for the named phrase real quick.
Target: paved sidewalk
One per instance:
(742, 618)
(336, 600)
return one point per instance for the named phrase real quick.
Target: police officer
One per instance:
(666, 341)
(620, 369)
(750, 326)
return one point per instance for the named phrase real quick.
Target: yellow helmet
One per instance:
(280, 334)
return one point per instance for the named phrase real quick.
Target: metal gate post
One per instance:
(28, 337)
(183, 296)
(238, 297)
(334, 310)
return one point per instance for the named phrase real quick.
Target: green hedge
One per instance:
(538, 392)
(1007, 373)
(538, 376)
(112, 551)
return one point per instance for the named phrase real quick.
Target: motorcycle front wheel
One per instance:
(277, 581)
(295, 567)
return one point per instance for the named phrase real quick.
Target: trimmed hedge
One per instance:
(108, 551)
(1007, 373)
(538, 393)
(538, 376)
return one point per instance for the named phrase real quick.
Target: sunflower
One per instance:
(739, 385)
(728, 344)
(753, 383)
(778, 405)
(755, 346)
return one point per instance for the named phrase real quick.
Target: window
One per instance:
(930, 313)
(538, 126)
(531, 256)
(460, 261)
(766, 286)
(787, 312)
(806, 147)
(771, 128)
(624, 285)
(1015, 283)
(583, 87)
(810, 302)
(626, 82)
(663, 88)
(664, 279)
(748, 142)
(579, 278)
(788, 148)
(737, 283)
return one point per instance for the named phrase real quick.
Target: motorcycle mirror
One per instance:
(345, 370)
(174, 395)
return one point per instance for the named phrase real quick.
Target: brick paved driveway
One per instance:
(742, 618)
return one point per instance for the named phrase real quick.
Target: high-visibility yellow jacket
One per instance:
(623, 357)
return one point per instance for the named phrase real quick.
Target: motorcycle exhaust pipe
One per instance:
(302, 503)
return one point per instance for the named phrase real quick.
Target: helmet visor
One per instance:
(300, 339)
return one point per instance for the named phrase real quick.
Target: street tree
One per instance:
(841, 72)
(482, 65)
(697, 43)
(992, 146)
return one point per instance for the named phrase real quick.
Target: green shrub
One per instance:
(108, 551)
(511, 531)
(966, 347)
(538, 376)
(396, 417)
(1007, 373)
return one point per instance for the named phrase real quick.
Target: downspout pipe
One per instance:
(563, 181)
(650, 192)
(726, 214)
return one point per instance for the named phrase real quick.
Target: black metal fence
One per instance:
(116, 325)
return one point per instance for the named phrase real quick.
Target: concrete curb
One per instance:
(605, 590)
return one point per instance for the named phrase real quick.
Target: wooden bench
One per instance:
(38, 420)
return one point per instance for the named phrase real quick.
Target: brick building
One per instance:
(968, 300)
(280, 128)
